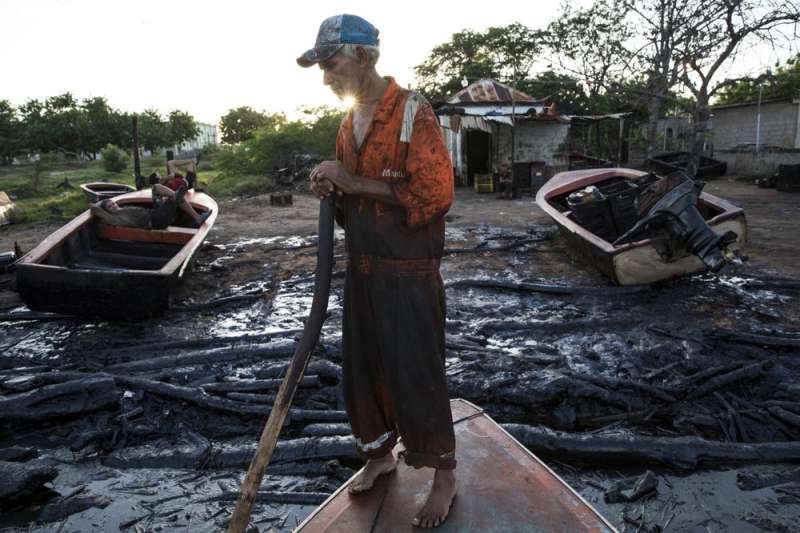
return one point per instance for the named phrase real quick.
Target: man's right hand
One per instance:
(320, 186)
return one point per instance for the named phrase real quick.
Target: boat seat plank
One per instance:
(501, 487)
(170, 235)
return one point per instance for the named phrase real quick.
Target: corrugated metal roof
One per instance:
(486, 90)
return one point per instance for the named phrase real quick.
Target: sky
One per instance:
(208, 57)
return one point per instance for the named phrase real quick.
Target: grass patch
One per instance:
(49, 202)
(220, 184)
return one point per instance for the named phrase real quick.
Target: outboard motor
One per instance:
(671, 203)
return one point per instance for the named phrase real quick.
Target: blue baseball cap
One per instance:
(335, 32)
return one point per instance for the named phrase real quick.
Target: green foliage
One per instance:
(48, 201)
(783, 82)
(590, 45)
(81, 129)
(271, 144)
(153, 130)
(181, 127)
(10, 132)
(115, 159)
(505, 53)
(465, 56)
(240, 124)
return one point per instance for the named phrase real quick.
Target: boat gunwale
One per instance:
(32, 261)
(480, 412)
(87, 187)
(574, 180)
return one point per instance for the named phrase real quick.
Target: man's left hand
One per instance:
(335, 172)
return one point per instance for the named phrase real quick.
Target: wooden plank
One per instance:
(501, 487)
(170, 235)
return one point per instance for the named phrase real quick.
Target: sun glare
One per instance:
(348, 102)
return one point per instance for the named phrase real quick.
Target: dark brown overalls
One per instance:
(394, 302)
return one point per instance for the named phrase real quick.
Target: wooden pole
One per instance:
(302, 354)
(137, 168)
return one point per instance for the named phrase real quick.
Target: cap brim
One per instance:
(318, 54)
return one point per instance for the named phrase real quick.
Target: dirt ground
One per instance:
(525, 347)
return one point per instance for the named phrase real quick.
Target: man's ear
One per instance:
(363, 56)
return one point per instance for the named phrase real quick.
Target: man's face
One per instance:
(343, 74)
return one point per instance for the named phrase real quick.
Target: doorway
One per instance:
(479, 154)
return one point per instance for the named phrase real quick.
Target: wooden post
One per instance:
(170, 157)
(137, 166)
(297, 366)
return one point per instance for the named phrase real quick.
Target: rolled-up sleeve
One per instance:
(428, 192)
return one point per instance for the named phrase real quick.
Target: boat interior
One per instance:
(109, 187)
(707, 210)
(98, 246)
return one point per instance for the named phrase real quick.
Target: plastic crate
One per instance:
(788, 179)
(621, 198)
(596, 217)
(484, 183)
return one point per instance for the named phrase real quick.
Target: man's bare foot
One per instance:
(372, 471)
(437, 507)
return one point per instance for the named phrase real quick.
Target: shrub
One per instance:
(114, 158)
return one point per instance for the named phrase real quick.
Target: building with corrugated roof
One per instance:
(488, 123)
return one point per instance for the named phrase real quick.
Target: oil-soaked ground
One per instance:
(620, 376)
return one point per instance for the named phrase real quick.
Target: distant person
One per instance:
(505, 181)
(166, 203)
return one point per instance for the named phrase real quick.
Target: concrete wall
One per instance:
(735, 126)
(206, 134)
(764, 163)
(535, 141)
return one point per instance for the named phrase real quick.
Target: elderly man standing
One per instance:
(394, 179)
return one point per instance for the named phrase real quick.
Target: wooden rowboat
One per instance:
(90, 268)
(99, 190)
(642, 261)
(502, 487)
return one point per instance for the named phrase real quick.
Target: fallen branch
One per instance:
(785, 416)
(251, 385)
(506, 247)
(205, 357)
(191, 395)
(294, 498)
(25, 316)
(326, 430)
(550, 289)
(748, 372)
(63, 399)
(164, 454)
(678, 452)
(211, 304)
(770, 341)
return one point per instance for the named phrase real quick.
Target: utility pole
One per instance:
(513, 121)
(758, 118)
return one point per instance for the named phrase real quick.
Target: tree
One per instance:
(562, 88)
(315, 134)
(663, 27)
(725, 26)
(465, 56)
(241, 123)
(589, 45)
(784, 82)
(10, 132)
(34, 128)
(153, 130)
(101, 125)
(181, 127)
